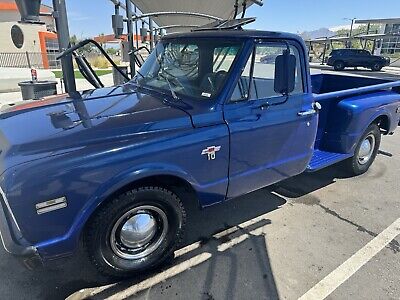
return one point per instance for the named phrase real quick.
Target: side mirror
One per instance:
(285, 73)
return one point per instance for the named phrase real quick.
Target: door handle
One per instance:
(264, 106)
(316, 108)
(307, 112)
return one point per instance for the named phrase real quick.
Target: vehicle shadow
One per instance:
(300, 187)
(306, 183)
(222, 276)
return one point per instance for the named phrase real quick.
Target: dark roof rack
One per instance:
(226, 24)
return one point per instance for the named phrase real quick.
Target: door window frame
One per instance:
(252, 55)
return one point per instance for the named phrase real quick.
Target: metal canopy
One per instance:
(222, 9)
(373, 36)
(378, 21)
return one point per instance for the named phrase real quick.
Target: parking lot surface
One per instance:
(317, 235)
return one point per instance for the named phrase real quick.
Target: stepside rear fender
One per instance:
(351, 117)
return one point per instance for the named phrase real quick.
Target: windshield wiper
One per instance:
(165, 77)
(169, 85)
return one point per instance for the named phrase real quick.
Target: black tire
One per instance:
(376, 67)
(356, 165)
(98, 234)
(338, 65)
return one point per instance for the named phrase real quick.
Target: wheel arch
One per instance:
(383, 121)
(175, 180)
(150, 177)
(174, 183)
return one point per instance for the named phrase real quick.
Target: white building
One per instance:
(17, 39)
(389, 45)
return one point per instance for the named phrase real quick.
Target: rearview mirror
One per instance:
(285, 73)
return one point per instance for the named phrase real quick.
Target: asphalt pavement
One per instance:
(317, 235)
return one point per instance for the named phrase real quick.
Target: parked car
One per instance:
(342, 58)
(108, 166)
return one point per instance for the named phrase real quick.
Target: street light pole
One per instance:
(351, 30)
(351, 27)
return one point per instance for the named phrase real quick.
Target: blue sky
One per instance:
(86, 19)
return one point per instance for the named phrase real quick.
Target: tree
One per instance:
(73, 40)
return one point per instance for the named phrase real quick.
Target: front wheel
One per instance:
(338, 66)
(135, 232)
(366, 151)
(376, 67)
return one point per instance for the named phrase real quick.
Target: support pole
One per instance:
(130, 37)
(61, 18)
(366, 41)
(324, 54)
(136, 29)
(151, 29)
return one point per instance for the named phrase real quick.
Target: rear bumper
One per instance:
(12, 239)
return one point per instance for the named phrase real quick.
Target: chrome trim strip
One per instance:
(51, 205)
(9, 208)
(4, 244)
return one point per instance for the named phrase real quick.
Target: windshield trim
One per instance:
(167, 91)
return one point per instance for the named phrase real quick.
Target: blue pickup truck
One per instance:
(217, 113)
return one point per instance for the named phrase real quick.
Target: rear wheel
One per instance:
(376, 67)
(338, 65)
(366, 151)
(135, 231)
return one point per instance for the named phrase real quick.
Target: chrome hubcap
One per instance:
(139, 232)
(366, 149)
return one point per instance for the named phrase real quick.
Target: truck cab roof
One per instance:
(235, 33)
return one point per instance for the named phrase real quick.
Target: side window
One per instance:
(361, 52)
(224, 57)
(262, 83)
(241, 91)
(366, 53)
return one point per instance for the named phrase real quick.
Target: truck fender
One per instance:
(377, 115)
(123, 179)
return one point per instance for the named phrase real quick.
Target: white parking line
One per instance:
(160, 277)
(337, 277)
(181, 267)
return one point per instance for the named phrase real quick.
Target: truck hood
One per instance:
(61, 124)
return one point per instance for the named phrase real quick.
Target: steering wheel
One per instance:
(215, 80)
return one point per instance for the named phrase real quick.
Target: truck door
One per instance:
(271, 136)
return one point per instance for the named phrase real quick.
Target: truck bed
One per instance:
(328, 83)
(349, 104)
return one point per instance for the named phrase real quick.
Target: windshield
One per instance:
(194, 68)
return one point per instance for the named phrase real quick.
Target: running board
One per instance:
(322, 159)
